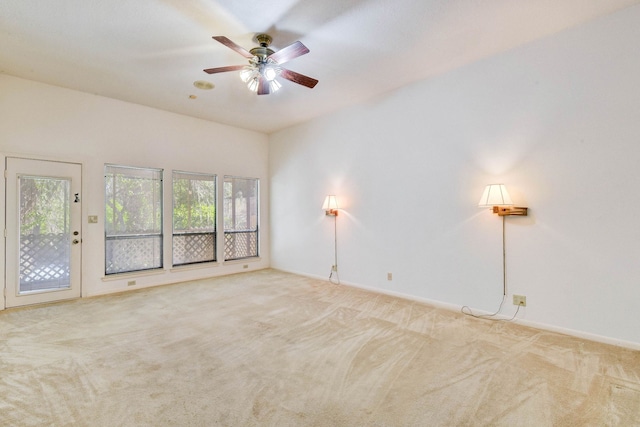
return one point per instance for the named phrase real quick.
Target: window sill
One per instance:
(198, 266)
(121, 276)
(242, 261)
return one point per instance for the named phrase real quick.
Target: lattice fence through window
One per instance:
(130, 254)
(240, 244)
(193, 248)
(44, 261)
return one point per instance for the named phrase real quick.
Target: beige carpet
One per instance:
(276, 349)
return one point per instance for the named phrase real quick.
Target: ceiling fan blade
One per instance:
(263, 86)
(231, 45)
(290, 52)
(301, 79)
(224, 69)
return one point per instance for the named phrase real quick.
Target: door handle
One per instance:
(75, 241)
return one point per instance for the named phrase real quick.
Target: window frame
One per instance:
(214, 233)
(158, 209)
(247, 231)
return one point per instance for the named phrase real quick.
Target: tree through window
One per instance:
(194, 218)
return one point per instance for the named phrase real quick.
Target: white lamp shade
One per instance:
(495, 195)
(330, 202)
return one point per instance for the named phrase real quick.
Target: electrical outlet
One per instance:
(520, 300)
(131, 283)
(389, 276)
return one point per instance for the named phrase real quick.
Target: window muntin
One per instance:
(240, 217)
(133, 219)
(194, 218)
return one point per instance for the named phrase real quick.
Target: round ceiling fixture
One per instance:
(204, 85)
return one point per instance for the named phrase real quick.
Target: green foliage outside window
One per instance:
(194, 203)
(44, 205)
(133, 201)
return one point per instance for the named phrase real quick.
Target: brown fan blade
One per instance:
(224, 69)
(301, 79)
(290, 52)
(231, 45)
(263, 86)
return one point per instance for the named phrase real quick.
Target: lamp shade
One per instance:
(330, 203)
(495, 195)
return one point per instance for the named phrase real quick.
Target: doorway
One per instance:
(43, 231)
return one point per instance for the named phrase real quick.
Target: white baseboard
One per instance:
(454, 307)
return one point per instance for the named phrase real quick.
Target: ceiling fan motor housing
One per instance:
(264, 39)
(261, 53)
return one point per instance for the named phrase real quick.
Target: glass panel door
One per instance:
(43, 231)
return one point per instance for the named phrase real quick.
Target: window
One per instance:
(133, 219)
(240, 218)
(194, 218)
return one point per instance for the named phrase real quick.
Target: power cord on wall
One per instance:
(491, 316)
(468, 311)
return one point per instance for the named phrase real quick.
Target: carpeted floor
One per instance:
(275, 349)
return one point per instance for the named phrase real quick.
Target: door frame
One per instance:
(4, 205)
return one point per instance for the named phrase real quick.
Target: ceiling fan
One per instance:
(265, 65)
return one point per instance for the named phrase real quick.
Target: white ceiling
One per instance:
(150, 52)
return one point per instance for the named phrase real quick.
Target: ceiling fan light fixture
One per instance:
(252, 84)
(248, 73)
(251, 75)
(274, 85)
(270, 73)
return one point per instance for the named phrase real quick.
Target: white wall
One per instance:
(557, 121)
(41, 121)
